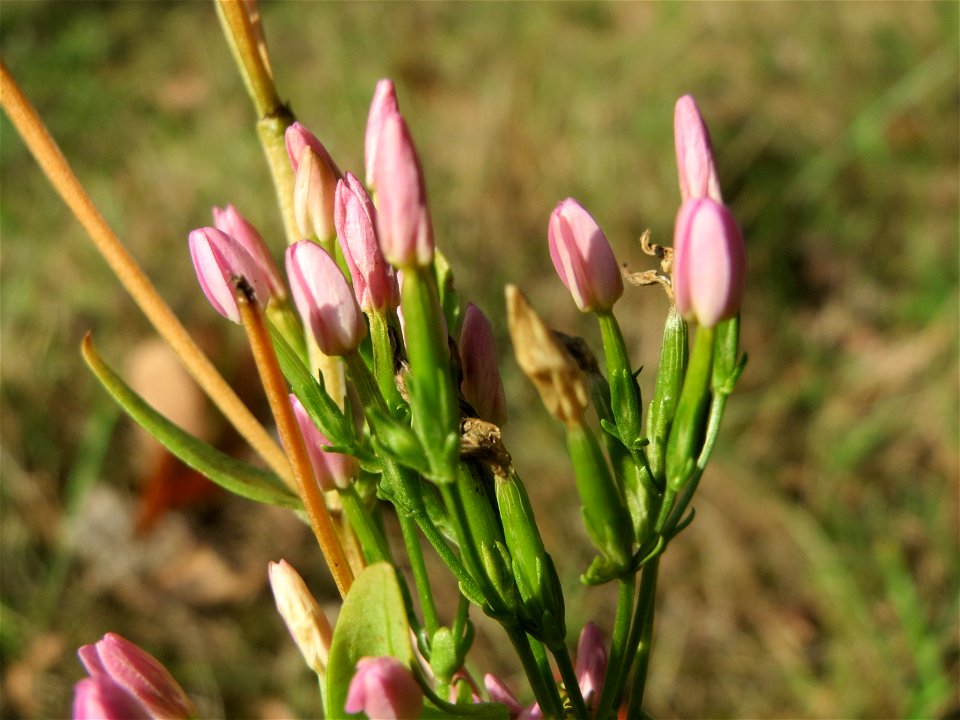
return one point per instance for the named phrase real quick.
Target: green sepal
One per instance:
(728, 365)
(229, 473)
(397, 441)
(625, 401)
(674, 352)
(611, 429)
(310, 390)
(499, 570)
(449, 298)
(372, 623)
(604, 510)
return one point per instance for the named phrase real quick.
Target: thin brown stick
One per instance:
(276, 389)
(131, 276)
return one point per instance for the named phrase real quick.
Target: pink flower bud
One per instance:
(314, 189)
(297, 137)
(220, 261)
(139, 674)
(709, 264)
(374, 279)
(403, 221)
(324, 299)
(384, 104)
(331, 469)
(230, 221)
(591, 661)
(583, 258)
(481, 385)
(100, 698)
(698, 174)
(302, 614)
(384, 689)
(500, 693)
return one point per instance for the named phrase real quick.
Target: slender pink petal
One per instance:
(582, 258)
(297, 137)
(374, 279)
(698, 172)
(331, 469)
(100, 698)
(403, 221)
(481, 384)
(710, 260)
(384, 104)
(230, 221)
(219, 261)
(500, 693)
(384, 689)
(324, 299)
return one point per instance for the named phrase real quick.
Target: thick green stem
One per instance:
(537, 667)
(617, 669)
(642, 639)
(569, 676)
(374, 544)
(420, 577)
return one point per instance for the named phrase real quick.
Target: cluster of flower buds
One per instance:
(709, 265)
(126, 683)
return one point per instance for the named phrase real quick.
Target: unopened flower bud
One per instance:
(403, 220)
(545, 361)
(300, 611)
(220, 261)
(698, 173)
(297, 137)
(384, 104)
(140, 674)
(709, 264)
(500, 693)
(324, 299)
(591, 661)
(583, 258)
(100, 698)
(384, 688)
(314, 189)
(374, 279)
(481, 384)
(230, 221)
(330, 468)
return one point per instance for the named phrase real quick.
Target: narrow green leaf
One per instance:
(232, 474)
(372, 623)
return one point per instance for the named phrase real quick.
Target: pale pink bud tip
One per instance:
(101, 698)
(710, 259)
(384, 689)
(403, 221)
(374, 279)
(304, 619)
(591, 661)
(481, 385)
(297, 137)
(331, 469)
(583, 258)
(324, 299)
(698, 173)
(314, 190)
(230, 221)
(220, 261)
(138, 673)
(384, 104)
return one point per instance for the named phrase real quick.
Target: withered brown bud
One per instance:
(545, 361)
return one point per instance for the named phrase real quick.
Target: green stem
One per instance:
(617, 670)
(453, 500)
(372, 541)
(644, 621)
(569, 676)
(717, 406)
(537, 668)
(420, 577)
(624, 393)
(468, 585)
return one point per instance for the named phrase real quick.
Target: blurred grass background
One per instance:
(820, 578)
